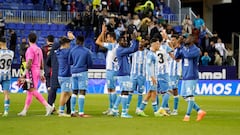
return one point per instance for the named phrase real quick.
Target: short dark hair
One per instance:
(112, 34)
(50, 38)
(3, 39)
(154, 40)
(80, 40)
(32, 37)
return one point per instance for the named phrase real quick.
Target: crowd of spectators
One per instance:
(128, 16)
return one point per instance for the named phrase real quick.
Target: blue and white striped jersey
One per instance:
(139, 62)
(111, 58)
(163, 59)
(151, 65)
(6, 58)
(174, 66)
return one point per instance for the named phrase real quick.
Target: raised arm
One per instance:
(100, 39)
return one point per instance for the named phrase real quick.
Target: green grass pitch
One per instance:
(223, 117)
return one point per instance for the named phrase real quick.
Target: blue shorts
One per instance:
(111, 79)
(65, 84)
(188, 87)
(138, 83)
(163, 83)
(80, 81)
(174, 81)
(150, 86)
(124, 83)
(5, 85)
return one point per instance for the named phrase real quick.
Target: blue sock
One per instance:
(165, 100)
(154, 106)
(73, 102)
(61, 109)
(157, 100)
(117, 102)
(81, 99)
(190, 106)
(175, 102)
(143, 105)
(124, 101)
(110, 100)
(114, 98)
(129, 100)
(196, 107)
(6, 105)
(140, 97)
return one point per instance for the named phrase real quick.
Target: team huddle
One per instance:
(134, 63)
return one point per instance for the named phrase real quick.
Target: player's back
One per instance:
(151, 65)
(6, 58)
(139, 63)
(35, 53)
(111, 62)
(163, 60)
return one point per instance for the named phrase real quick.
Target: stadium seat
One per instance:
(53, 27)
(12, 25)
(20, 26)
(37, 26)
(28, 26)
(61, 27)
(45, 27)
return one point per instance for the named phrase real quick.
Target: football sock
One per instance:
(190, 106)
(175, 102)
(117, 102)
(39, 97)
(6, 105)
(73, 102)
(124, 101)
(154, 106)
(157, 100)
(61, 109)
(112, 99)
(129, 100)
(196, 107)
(140, 97)
(165, 100)
(81, 99)
(143, 105)
(28, 100)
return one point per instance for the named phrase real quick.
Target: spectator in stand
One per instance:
(2, 25)
(13, 40)
(144, 26)
(80, 6)
(87, 21)
(198, 22)
(230, 61)
(76, 23)
(23, 48)
(220, 46)
(218, 59)
(211, 52)
(196, 33)
(204, 41)
(205, 59)
(64, 5)
(187, 24)
(124, 8)
(136, 21)
(73, 7)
